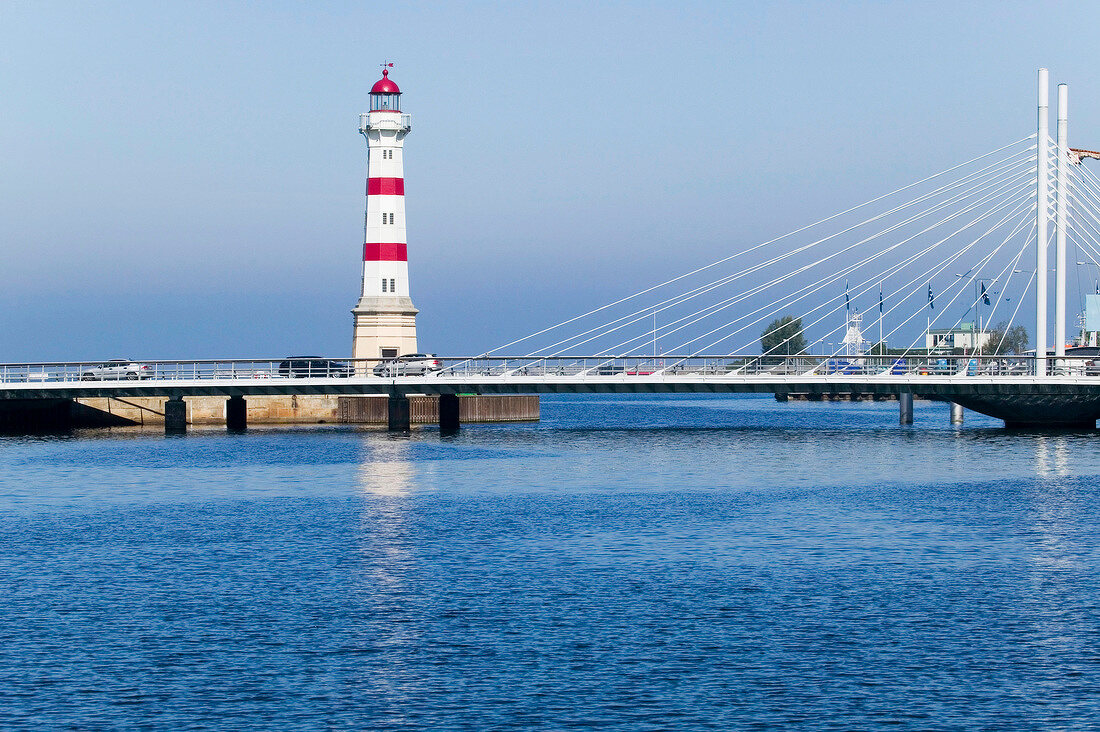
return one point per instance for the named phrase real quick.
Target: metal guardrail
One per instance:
(391, 121)
(597, 367)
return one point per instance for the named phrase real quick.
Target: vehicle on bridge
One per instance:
(412, 364)
(116, 369)
(301, 367)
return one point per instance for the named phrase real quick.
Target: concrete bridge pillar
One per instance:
(398, 413)
(905, 408)
(956, 413)
(175, 415)
(448, 412)
(236, 414)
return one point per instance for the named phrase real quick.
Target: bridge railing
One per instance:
(756, 365)
(596, 367)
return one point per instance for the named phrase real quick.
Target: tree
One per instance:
(1003, 339)
(783, 337)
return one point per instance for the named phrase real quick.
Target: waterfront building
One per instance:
(964, 337)
(385, 318)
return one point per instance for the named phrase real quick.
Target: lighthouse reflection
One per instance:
(387, 559)
(387, 466)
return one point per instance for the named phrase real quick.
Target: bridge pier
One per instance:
(236, 414)
(956, 413)
(905, 408)
(175, 416)
(448, 412)
(397, 413)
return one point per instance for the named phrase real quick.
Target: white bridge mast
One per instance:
(1041, 217)
(1060, 223)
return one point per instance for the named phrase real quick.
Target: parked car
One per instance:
(116, 369)
(301, 367)
(412, 364)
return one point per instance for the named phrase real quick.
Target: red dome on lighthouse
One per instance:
(384, 85)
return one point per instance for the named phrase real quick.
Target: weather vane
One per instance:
(386, 65)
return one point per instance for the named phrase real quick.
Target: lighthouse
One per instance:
(385, 319)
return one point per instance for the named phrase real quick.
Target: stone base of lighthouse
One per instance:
(385, 327)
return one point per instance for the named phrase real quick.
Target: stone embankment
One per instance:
(311, 409)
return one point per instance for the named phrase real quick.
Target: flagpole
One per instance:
(881, 345)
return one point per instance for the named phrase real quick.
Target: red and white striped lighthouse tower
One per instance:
(385, 319)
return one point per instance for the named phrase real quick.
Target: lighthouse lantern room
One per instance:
(385, 319)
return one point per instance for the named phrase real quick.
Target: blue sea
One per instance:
(627, 563)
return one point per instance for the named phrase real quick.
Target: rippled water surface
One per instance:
(630, 563)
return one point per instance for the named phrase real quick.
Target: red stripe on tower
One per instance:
(385, 252)
(385, 186)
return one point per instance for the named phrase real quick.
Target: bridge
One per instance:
(955, 254)
(1004, 387)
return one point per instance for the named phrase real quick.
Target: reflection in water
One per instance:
(387, 477)
(1052, 455)
(1052, 527)
(387, 466)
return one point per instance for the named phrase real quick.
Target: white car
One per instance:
(413, 364)
(117, 369)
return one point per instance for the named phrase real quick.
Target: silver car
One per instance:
(117, 369)
(412, 364)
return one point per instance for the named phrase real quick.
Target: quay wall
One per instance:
(308, 409)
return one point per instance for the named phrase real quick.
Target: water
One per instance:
(630, 563)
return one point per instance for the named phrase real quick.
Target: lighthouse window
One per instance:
(383, 285)
(393, 285)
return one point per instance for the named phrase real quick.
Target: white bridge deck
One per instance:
(939, 376)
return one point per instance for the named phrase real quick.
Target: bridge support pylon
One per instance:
(905, 408)
(236, 414)
(398, 413)
(956, 413)
(448, 412)
(175, 416)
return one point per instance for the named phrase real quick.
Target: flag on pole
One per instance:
(880, 298)
(985, 297)
(931, 299)
(847, 303)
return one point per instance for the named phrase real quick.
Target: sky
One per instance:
(185, 180)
